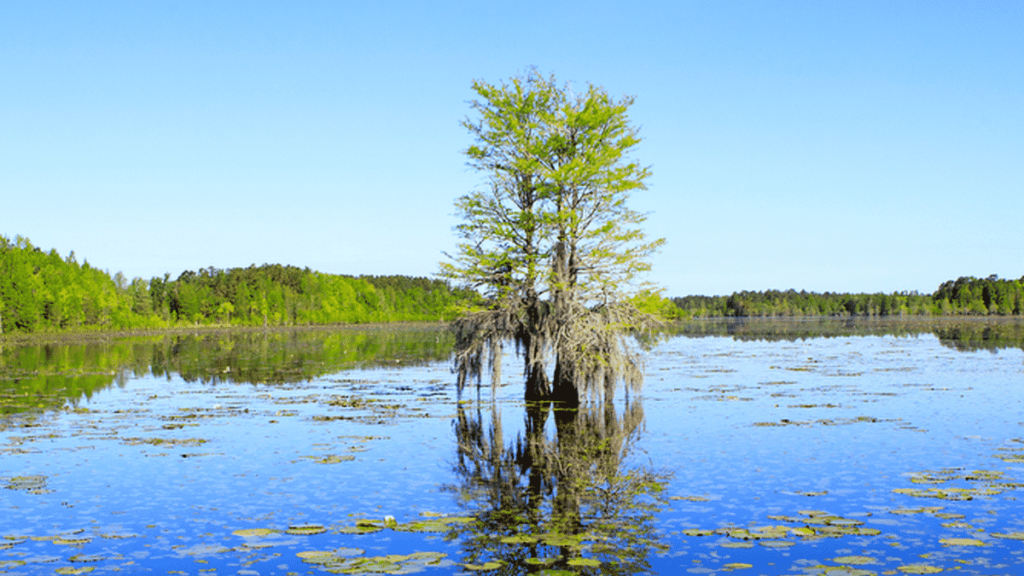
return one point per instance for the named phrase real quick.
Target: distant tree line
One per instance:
(45, 292)
(41, 291)
(964, 296)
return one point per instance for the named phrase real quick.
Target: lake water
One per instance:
(771, 447)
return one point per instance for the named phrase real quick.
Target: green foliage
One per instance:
(549, 237)
(44, 292)
(653, 303)
(964, 296)
(286, 295)
(40, 291)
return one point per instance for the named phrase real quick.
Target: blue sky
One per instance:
(831, 146)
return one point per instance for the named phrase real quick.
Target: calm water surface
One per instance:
(758, 448)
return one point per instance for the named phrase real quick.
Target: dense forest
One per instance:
(964, 296)
(44, 292)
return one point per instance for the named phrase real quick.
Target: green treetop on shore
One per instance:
(43, 292)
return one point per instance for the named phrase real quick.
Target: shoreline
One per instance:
(105, 335)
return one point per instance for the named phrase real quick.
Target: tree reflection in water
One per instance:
(576, 500)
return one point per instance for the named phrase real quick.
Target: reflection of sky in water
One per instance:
(749, 426)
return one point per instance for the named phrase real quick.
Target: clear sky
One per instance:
(849, 146)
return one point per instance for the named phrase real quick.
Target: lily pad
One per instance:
(305, 529)
(961, 542)
(72, 540)
(254, 532)
(35, 483)
(362, 527)
(492, 565)
(389, 564)
(855, 560)
(434, 525)
(584, 562)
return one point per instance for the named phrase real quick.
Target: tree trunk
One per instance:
(536, 418)
(538, 387)
(563, 388)
(565, 508)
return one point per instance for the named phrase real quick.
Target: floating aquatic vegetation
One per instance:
(993, 484)
(921, 510)
(584, 562)
(961, 542)
(342, 561)
(72, 540)
(855, 560)
(329, 556)
(164, 442)
(362, 526)
(823, 422)
(254, 532)
(33, 484)
(11, 542)
(816, 524)
(305, 529)
(844, 571)
(331, 458)
(86, 558)
(442, 524)
(724, 398)
(919, 569)
(737, 566)
(957, 494)
(70, 570)
(957, 524)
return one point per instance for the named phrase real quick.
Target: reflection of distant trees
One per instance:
(43, 376)
(559, 500)
(960, 334)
